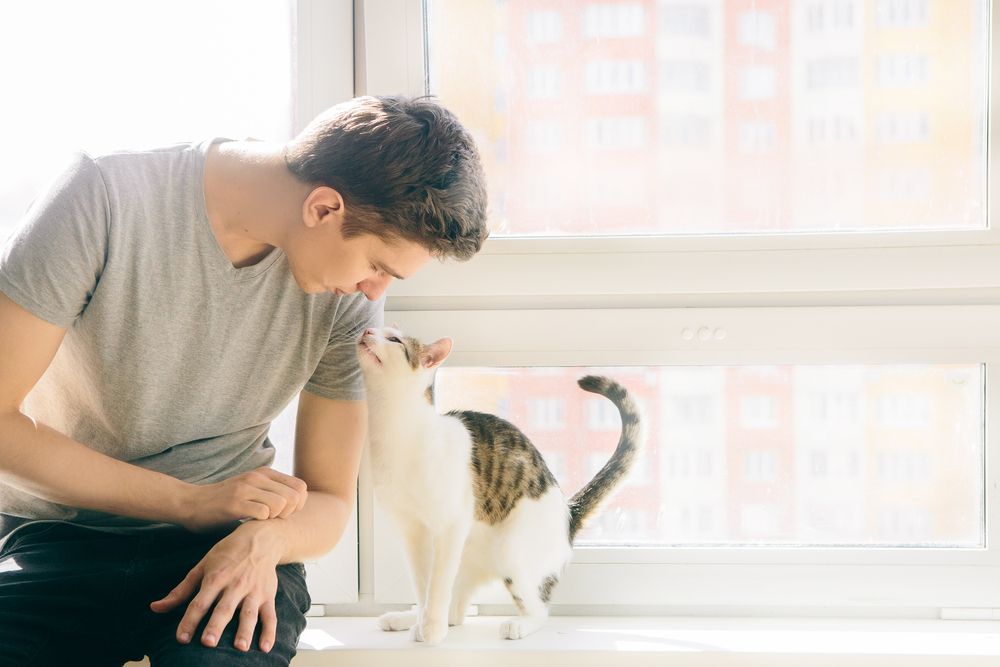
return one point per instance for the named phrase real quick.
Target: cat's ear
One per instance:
(435, 353)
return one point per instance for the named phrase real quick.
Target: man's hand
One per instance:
(238, 572)
(259, 494)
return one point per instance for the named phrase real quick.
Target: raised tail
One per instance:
(590, 496)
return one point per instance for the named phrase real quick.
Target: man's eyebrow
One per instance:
(386, 269)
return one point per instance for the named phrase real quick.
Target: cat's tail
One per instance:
(589, 497)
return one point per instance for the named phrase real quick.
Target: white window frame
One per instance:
(880, 297)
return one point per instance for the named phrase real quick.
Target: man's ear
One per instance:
(323, 206)
(435, 353)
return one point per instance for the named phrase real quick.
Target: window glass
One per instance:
(673, 117)
(873, 455)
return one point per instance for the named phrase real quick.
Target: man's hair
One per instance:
(406, 168)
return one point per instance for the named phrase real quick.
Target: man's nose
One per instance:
(374, 288)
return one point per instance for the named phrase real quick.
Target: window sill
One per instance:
(718, 642)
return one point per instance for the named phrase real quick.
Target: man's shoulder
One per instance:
(129, 161)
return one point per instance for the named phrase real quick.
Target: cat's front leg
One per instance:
(432, 627)
(418, 556)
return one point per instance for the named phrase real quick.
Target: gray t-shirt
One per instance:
(174, 360)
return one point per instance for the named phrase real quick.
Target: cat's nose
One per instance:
(369, 332)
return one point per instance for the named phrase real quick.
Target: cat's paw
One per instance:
(394, 621)
(519, 627)
(429, 631)
(511, 629)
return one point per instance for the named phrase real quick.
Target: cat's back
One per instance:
(505, 465)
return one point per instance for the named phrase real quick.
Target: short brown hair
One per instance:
(406, 168)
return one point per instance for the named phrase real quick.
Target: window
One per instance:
(757, 136)
(759, 30)
(602, 416)
(903, 127)
(616, 133)
(544, 26)
(758, 82)
(685, 19)
(614, 20)
(833, 129)
(901, 70)
(615, 77)
(832, 73)
(830, 15)
(547, 414)
(680, 76)
(779, 267)
(544, 81)
(544, 136)
(901, 13)
(686, 130)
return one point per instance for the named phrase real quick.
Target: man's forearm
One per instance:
(309, 533)
(45, 463)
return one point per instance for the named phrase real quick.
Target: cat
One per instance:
(472, 497)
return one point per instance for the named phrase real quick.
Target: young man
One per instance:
(157, 310)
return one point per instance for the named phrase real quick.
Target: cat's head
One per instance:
(387, 355)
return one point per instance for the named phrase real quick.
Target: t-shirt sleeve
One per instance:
(52, 263)
(338, 375)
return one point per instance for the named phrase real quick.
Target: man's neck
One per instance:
(249, 196)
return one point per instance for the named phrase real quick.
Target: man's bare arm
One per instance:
(239, 572)
(41, 461)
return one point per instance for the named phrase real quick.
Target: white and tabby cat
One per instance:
(471, 495)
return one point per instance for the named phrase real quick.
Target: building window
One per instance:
(758, 30)
(615, 77)
(608, 21)
(544, 26)
(758, 82)
(683, 76)
(901, 13)
(685, 20)
(827, 73)
(544, 81)
(623, 132)
(901, 70)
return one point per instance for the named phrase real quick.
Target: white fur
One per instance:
(423, 478)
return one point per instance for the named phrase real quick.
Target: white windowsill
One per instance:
(679, 642)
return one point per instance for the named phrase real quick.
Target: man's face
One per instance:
(322, 260)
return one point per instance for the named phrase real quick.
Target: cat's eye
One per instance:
(393, 339)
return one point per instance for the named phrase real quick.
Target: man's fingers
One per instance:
(273, 503)
(221, 615)
(252, 509)
(196, 611)
(297, 487)
(180, 592)
(292, 487)
(287, 480)
(268, 625)
(248, 622)
(290, 500)
(282, 494)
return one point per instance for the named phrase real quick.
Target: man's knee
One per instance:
(291, 604)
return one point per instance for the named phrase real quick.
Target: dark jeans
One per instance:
(71, 595)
